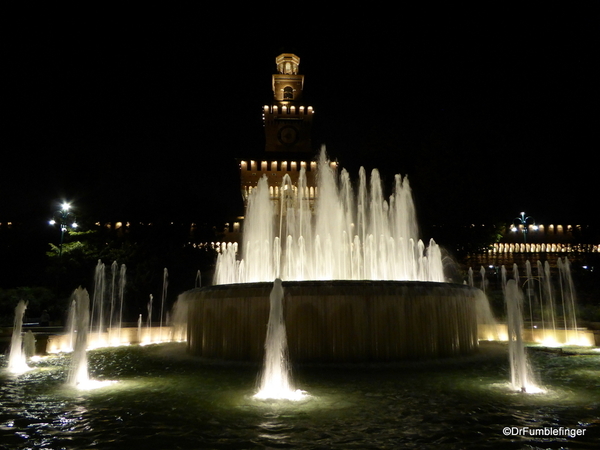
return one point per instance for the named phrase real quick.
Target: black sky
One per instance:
(143, 115)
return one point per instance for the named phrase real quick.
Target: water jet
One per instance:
(78, 372)
(17, 361)
(275, 379)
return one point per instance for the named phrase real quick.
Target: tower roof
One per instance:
(287, 63)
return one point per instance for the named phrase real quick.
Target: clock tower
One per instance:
(287, 120)
(287, 123)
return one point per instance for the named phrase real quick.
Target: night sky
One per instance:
(143, 114)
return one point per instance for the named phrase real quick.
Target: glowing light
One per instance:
(583, 340)
(279, 394)
(532, 389)
(89, 385)
(550, 342)
(19, 367)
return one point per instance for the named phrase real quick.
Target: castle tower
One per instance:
(287, 122)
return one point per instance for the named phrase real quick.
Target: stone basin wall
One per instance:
(336, 321)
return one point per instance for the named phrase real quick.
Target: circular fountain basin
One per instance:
(336, 321)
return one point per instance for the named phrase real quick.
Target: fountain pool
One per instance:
(172, 400)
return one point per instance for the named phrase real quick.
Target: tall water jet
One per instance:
(113, 293)
(78, 373)
(122, 282)
(275, 378)
(548, 290)
(179, 318)
(529, 290)
(162, 300)
(520, 373)
(148, 337)
(487, 327)
(71, 326)
(29, 344)
(483, 278)
(97, 314)
(567, 290)
(16, 360)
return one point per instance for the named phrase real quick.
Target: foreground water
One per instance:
(167, 400)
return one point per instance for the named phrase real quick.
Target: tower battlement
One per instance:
(287, 110)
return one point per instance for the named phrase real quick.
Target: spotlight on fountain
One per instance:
(275, 382)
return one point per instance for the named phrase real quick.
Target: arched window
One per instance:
(288, 93)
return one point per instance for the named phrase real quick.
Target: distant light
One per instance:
(65, 206)
(513, 228)
(52, 222)
(74, 225)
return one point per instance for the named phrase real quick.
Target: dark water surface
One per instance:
(165, 399)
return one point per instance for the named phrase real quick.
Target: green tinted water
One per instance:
(165, 399)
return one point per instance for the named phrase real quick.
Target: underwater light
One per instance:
(89, 385)
(532, 389)
(277, 394)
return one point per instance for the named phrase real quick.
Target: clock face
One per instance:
(288, 135)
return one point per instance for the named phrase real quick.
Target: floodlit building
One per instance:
(287, 122)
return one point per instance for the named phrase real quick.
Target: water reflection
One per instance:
(171, 400)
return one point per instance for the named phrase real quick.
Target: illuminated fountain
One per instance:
(557, 306)
(106, 317)
(17, 361)
(552, 306)
(78, 376)
(349, 237)
(520, 371)
(359, 284)
(78, 373)
(29, 344)
(275, 379)
(549, 307)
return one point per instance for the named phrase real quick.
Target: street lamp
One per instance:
(64, 218)
(522, 219)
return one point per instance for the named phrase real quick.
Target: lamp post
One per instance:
(64, 218)
(522, 220)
